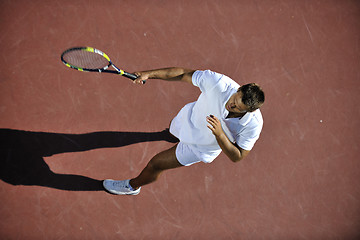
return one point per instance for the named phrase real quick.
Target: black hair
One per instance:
(252, 96)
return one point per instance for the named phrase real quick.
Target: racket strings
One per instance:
(84, 59)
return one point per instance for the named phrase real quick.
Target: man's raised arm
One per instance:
(167, 74)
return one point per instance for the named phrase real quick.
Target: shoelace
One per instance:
(120, 184)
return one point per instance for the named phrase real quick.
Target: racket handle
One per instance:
(132, 76)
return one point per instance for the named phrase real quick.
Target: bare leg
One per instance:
(162, 161)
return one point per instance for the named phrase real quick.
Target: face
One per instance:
(235, 104)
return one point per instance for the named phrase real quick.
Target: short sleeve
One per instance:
(205, 80)
(247, 138)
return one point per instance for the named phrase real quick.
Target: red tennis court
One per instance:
(63, 131)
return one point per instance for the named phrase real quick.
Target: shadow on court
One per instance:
(22, 155)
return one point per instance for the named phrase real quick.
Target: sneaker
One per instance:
(120, 187)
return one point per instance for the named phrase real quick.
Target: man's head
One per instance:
(248, 98)
(252, 96)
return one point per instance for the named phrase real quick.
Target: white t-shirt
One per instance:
(190, 125)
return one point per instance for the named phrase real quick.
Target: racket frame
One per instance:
(104, 69)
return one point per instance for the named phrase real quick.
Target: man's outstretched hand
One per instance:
(142, 77)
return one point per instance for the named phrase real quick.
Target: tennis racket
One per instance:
(90, 59)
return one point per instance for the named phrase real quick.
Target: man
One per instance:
(226, 117)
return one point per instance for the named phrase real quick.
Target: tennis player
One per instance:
(226, 117)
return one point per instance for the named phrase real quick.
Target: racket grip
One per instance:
(132, 76)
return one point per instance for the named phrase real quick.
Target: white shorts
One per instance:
(188, 154)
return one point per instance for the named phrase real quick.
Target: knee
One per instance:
(163, 161)
(154, 166)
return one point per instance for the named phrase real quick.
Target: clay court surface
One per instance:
(63, 131)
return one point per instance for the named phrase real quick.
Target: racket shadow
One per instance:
(22, 155)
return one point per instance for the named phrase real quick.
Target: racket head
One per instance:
(85, 59)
